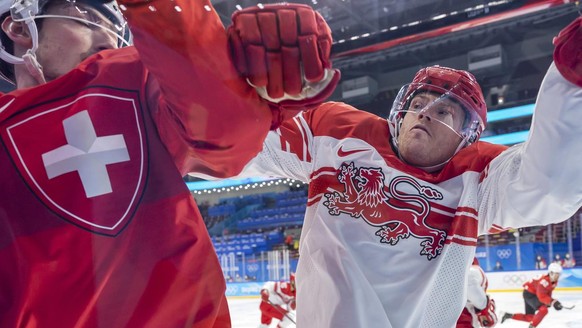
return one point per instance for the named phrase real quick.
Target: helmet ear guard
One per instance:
(26, 11)
(22, 11)
(473, 134)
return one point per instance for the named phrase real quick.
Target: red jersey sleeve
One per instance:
(286, 289)
(208, 117)
(544, 290)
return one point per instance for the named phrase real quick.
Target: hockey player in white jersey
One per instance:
(278, 301)
(480, 308)
(395, 206)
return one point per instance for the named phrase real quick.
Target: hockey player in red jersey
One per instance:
(537, 296)
(97, 227)
(480, 308)
(278, 301)
(417, 189)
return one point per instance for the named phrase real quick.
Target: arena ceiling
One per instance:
(368, 26)
(349, 18)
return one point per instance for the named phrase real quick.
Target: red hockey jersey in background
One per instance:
(542, 287)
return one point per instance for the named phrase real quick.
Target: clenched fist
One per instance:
(568, 52)
(284, 52)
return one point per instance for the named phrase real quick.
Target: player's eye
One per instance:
(417, 104)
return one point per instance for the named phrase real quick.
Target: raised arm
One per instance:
(540, 181)
(283, 51)
(209, 118)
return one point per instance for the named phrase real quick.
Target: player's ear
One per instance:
(17, 32)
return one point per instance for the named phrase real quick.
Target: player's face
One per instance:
(427, 135)
(64, 43)
(554, 276)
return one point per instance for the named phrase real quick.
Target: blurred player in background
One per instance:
(480, 309)
(537, 296)
(278, 301)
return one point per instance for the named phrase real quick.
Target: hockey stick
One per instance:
(570, 307)
(283, 313)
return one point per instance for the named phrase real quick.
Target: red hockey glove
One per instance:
(264, 295)
(284, 52)
(487, 316)
(568, 52)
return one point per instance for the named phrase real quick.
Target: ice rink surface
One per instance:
(245, 311)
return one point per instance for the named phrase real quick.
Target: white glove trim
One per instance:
(309, 90)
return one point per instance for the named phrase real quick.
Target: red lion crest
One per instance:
(364, 198)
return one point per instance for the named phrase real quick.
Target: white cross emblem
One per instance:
(87, 154)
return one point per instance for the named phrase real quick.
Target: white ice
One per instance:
(245, 311)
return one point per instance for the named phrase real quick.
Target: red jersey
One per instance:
(542, 287)
(280, 292)
(97, 227)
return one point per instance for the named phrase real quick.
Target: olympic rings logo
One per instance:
(514, 279)
(253, 267)
(504, 253)
(231, 289)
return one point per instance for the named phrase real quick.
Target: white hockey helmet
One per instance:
(27, 11)
(555, 268)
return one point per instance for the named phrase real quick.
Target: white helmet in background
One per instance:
(554, 271)
(555, 268)
(27, 11)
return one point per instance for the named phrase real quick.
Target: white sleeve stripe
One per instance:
(466, 214)
(437, 210)
(305, 135)
(323, 173)
(284, 144)
(459, 237)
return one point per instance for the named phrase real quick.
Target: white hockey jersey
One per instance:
(387, 245)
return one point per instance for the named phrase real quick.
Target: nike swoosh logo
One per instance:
(7, 104)
(343, 153)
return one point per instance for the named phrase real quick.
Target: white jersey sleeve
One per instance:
(476, 284)
(286, 153)
(539, 182)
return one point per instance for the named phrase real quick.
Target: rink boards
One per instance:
(571, 279)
